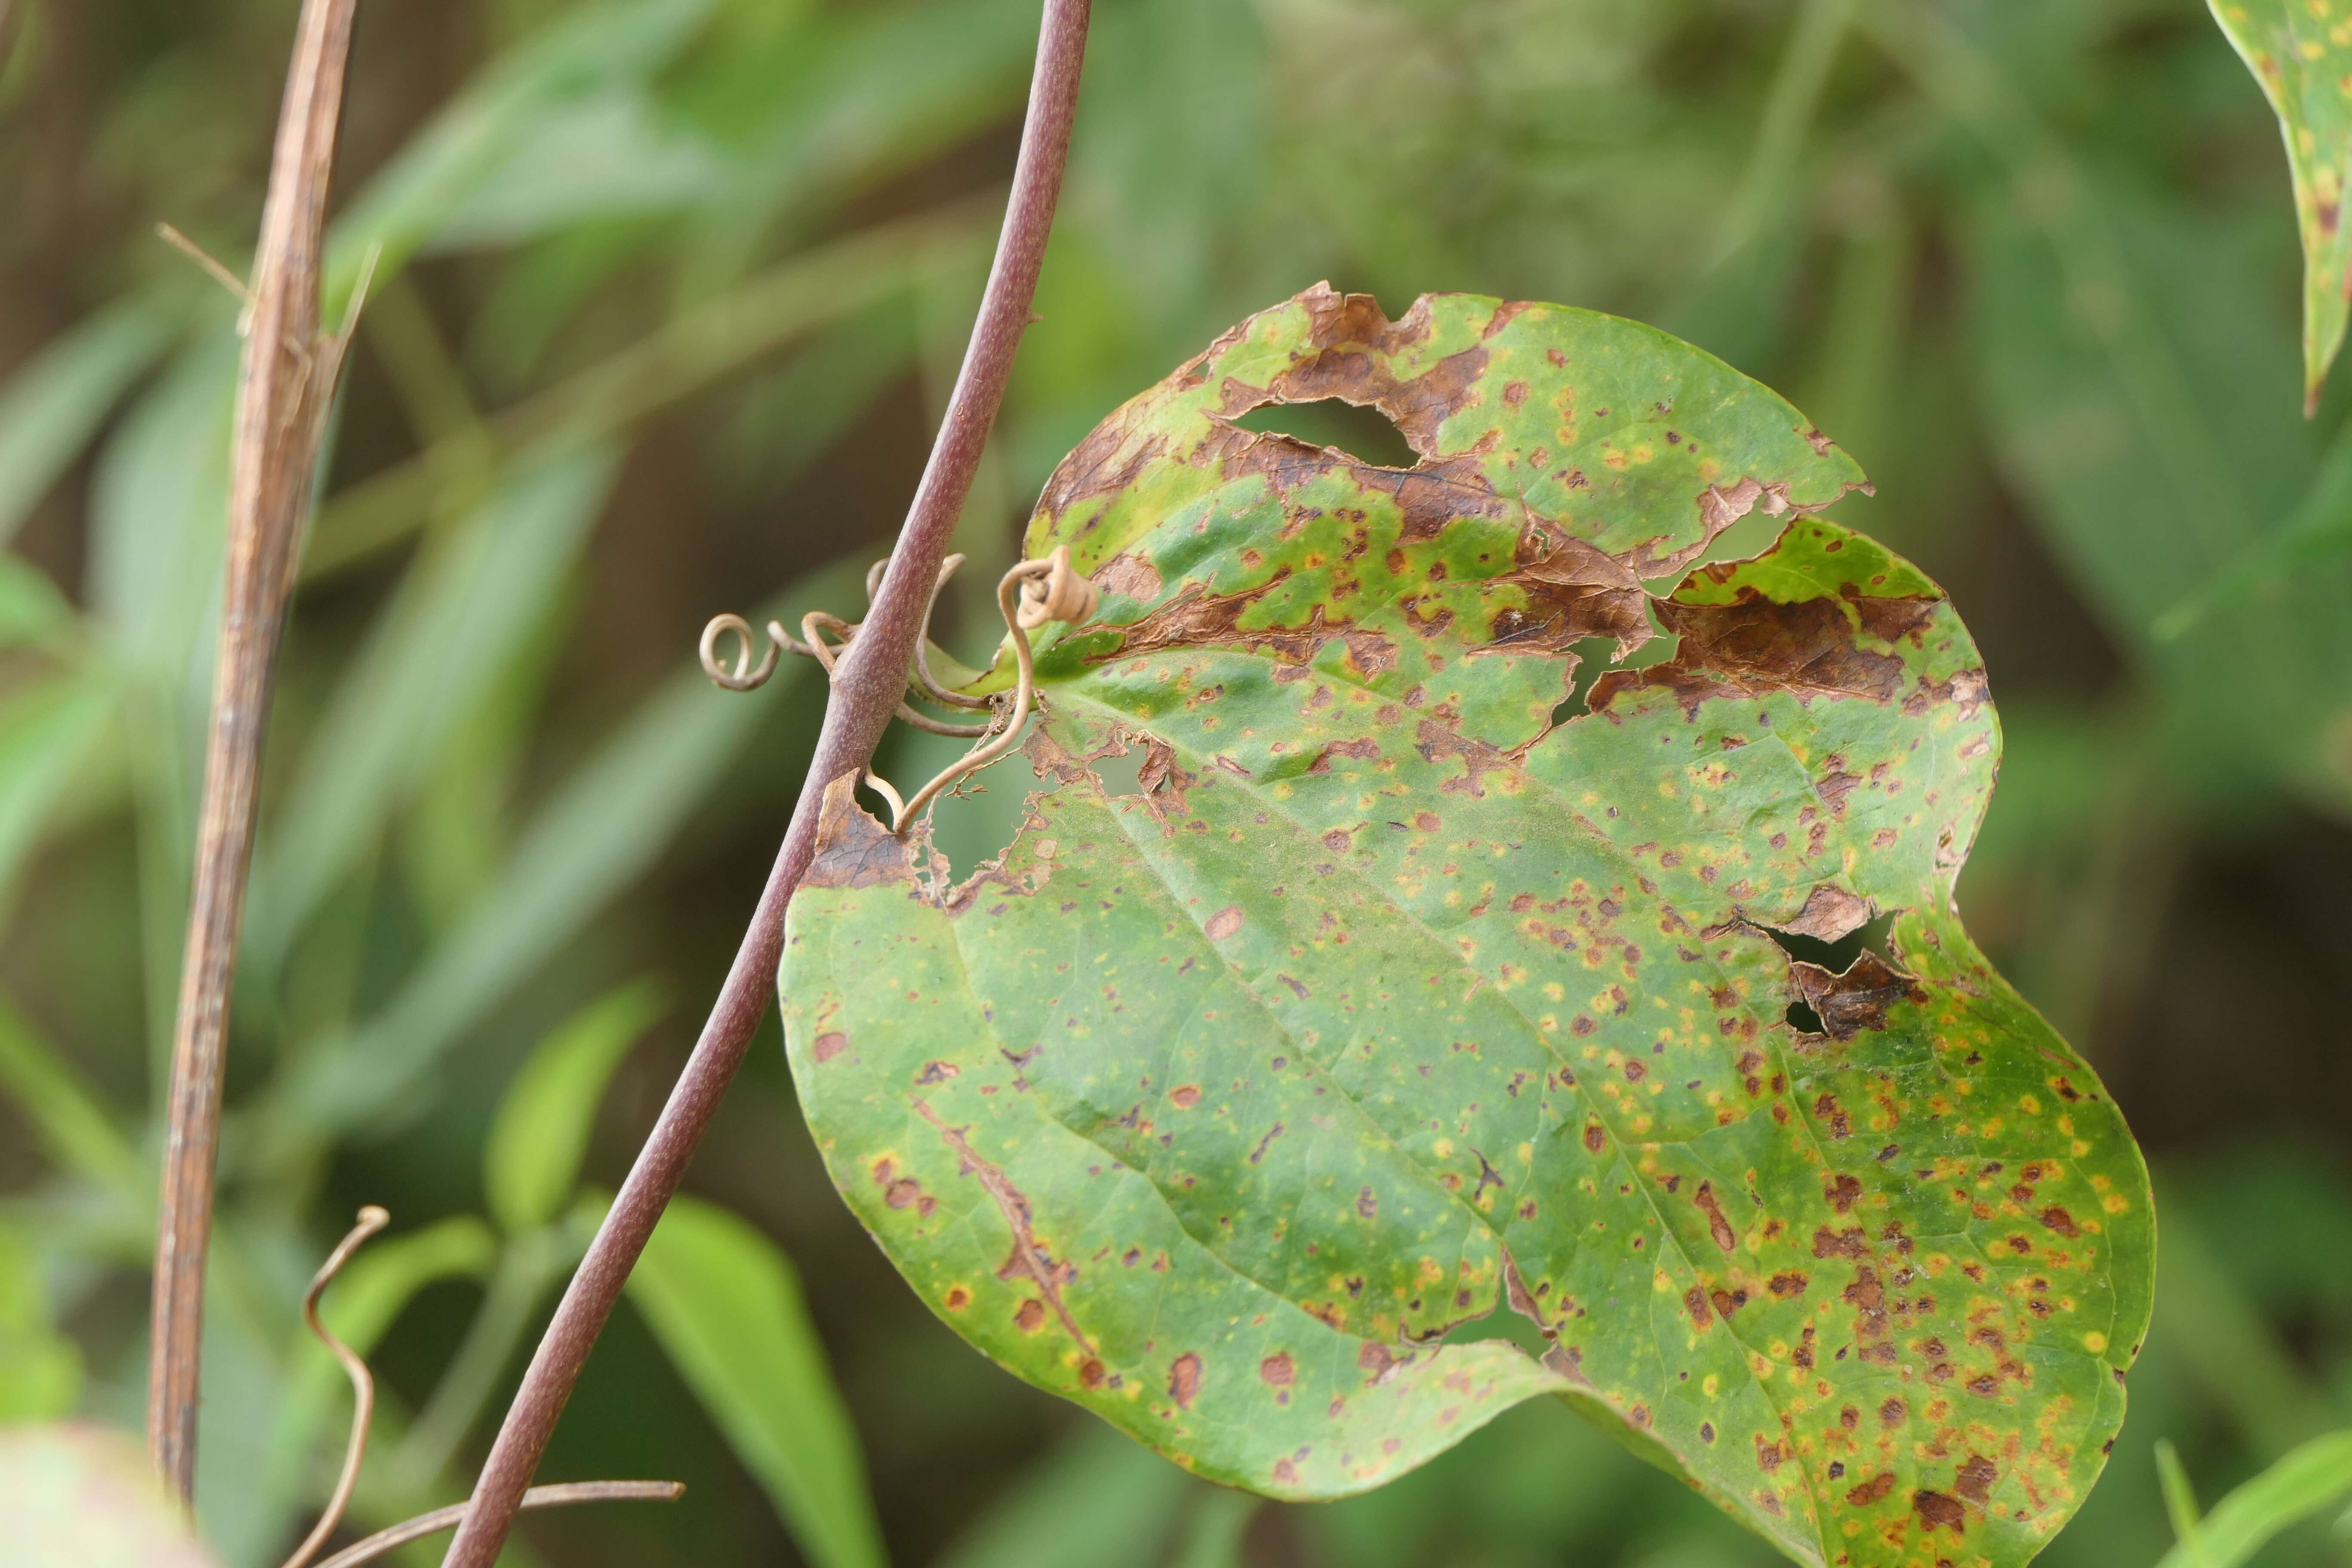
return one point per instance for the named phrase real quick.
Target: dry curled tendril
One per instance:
(373, 1219)
(1032, 595)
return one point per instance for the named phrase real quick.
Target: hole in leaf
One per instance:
(1838, 956)
(1364, 434)
(1803, 1019)
(1592, 663)
(1123, 776)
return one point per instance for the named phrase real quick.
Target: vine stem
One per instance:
(866, 692)
(284, 385)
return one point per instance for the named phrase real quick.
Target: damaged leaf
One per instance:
(2301, 52)
(1229, 1108)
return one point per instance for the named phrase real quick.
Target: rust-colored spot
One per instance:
(1974, 1482)
(1936, 1510)
(829, 1045)
(1594, 1136)
(1878, 1488)
(1695, 1303)
(1185, 1095)
(1184, 1380)
(1030, 1316)
(957, 1298)
(1892, 1414)
(1224, 923)
(1789, 1284)
(1278, 1371)
(1841, 1192)
(1717, 1226)
(1848, 1243)
(1091, 1374)
(2058, 1219)
(1285, 1473)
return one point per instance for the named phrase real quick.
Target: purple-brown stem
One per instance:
(287, 375)
(867, 691)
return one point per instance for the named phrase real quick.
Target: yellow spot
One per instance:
(2095, 1342)
(1710, 1384)
(1443, 1148)
(2115, 1202)
(1555, 990)
(1527, 1153)
(2313, 48)
(2028, 1104)
(1661, 1283)
(2080, 1148)
(1642, 1123)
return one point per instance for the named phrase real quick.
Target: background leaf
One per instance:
(728, 1309)
(532, 1161)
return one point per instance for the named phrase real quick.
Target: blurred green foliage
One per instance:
(671, 291)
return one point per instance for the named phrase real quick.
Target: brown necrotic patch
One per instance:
(1755, 646)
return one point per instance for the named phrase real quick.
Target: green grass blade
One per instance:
(598, 834)
(75, 1129)
(533, 1162)
(53, 406)
(2303, 1484)
(464, 615)
(726, 1307)
(1097, 1501)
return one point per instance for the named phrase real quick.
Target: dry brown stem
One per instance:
(284, 384)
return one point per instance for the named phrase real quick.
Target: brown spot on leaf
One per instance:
(2056, 1217)
(1974, 1482)
(829, 1045)
(1224, 923)
(1278, 1371)
(1132, 575)
(1841, 1193)
(1184, 1380)
(1936, 1510)
(1717, 1226)
(1878, 1488)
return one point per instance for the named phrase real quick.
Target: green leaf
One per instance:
(40, 1370)
(50, 729)
(2304, 1483)
(2301, 52)
(726, 1307)
(1404, 993)
(65, 1115)
(533, 1162)
(78, 1495)
(597, 834)
(464, 613)
(588, 70)
(1094, 1501)
(51, 408)
(2180, 1503)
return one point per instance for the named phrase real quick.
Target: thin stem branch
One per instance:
(371, 1219)
(283, 389)
(865, 695)
(441, 1519)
